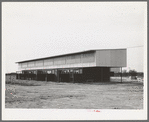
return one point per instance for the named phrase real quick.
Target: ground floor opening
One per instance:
(88, 74)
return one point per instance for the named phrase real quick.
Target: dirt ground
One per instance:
(37, 94)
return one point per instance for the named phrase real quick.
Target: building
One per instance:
(91, 65)
(11, 77)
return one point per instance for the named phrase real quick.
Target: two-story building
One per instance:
(91, 65)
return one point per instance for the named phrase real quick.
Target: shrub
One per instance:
(132, 73)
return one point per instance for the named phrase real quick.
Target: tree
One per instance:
(133, 74)
(125, 73)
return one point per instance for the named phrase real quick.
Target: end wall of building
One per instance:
(111, 58)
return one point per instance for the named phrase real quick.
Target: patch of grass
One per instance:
(26, 83)
(10, 96)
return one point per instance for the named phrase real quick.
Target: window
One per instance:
(78, 71)
(30, 64)
(88, 57)
(71, 70)
(34, 72)
(59, 61)
(39, 63)
(70, 59)
(49, 72)
(52, 71)
(19, 72)
(78, 58)
(65, 71)
(24, 65)
(48, 62)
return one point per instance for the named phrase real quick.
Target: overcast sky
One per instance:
(40, 29)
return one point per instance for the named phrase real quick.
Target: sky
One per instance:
(33, 30)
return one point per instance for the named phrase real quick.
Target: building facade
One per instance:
(92, 65)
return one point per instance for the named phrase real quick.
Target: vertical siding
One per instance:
(78, 58)
(103, 58)
(39, 63)
(88, 57)
(48, 62)
(59, 61)
(70, 59)
(118, 57)
(75, 60)
(111, 58)
(31, 64)
(24, 65)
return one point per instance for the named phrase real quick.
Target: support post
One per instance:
(73, 75)
(18, 76)
(28, 75)
(121, 74)
(36, 75)
(57, 75)
(46, 77)
(102, 74)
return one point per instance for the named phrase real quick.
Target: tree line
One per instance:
(129, 73)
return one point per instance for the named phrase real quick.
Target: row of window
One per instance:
(68, 71)
(64, 71)
(60, 61)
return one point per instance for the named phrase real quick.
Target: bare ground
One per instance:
(37, 94)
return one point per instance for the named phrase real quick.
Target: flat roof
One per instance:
(68, 54)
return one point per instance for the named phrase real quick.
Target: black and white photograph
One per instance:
(74, 60)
